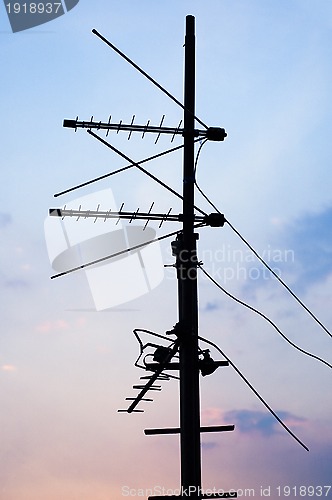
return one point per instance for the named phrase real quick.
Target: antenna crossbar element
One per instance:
(162, 376)
(212, 133)
(151, 387)
(143, 399)
(177, 430)
(134, 411)
(168, 366)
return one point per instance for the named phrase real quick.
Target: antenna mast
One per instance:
(186, 264)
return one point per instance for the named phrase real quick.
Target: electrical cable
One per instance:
(262, 260)
(150, 333)
(149, 344)
(279, 279)
(119, 170)
(95, 32)
(198, 153)
(195, 181)
(126, 250)
(265, 317)
(140, 168)
(240, 301)
(255, 392)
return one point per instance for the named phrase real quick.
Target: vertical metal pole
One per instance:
(187, 287)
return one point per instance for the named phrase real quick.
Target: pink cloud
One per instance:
(8, 368)
(212, 416)
(51, 326)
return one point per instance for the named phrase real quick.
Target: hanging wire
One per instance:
(279, 279)
(263, 316)
(269, 268)
(197, 156)
(255, 392)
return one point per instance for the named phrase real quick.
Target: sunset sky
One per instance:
(263, 72)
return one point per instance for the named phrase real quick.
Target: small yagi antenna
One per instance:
(211, 133)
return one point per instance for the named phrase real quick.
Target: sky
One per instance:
(263, 72)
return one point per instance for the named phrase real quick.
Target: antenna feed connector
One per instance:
(214, 220)
(162, 354)
(216, 134)
(70, 123)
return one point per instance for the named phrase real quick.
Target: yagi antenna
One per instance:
(212, 220)
(211, 133)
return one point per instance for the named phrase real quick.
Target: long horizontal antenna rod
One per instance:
(95, 32)
(59, 212)
(177, 430)
(211, 133)
(129, 127)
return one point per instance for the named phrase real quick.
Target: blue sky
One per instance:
(264, 73)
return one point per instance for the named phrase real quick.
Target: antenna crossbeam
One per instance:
(99, 214)
(127, 127)
(212, 133)
(177, 430)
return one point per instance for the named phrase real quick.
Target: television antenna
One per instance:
(179, 351)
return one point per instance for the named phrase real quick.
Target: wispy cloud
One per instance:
(303, 256)
(212, 416)
(310, 238)
(49, 326)
(5, 219)
(16, 283)
(211, 306)
(8, 368)
(209, 445)
(248, 421)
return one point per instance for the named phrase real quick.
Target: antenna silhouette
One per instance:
(178, 354)
(190, 360)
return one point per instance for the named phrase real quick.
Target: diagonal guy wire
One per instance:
(95, 32)
(109, 174)
(140, 168)
(126, 250)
